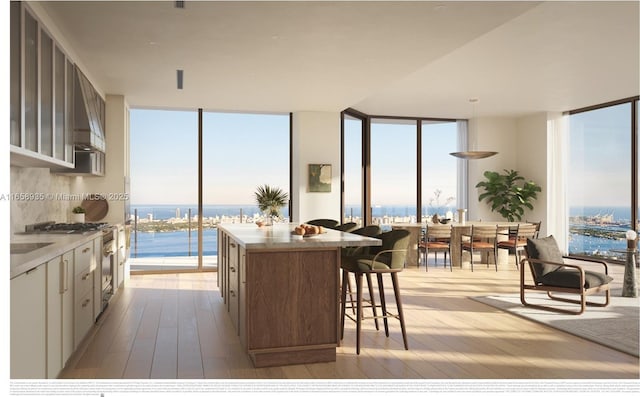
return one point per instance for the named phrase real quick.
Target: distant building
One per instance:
(177, 213)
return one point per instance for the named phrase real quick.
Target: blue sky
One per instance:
(241, 151)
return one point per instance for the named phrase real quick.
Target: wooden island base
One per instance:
(282, 296)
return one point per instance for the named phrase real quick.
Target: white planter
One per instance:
(77, 218)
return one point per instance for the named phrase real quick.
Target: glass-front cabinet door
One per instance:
(15, 74)
(30, 83)
(41, 94)
(46, 94)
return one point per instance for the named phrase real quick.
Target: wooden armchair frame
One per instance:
(582, 291)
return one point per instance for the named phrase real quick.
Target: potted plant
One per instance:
(77, 214)
(270, 200)
(508, 193)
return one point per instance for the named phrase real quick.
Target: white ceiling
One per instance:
(408, 58)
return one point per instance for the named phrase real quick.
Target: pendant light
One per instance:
(473, 154)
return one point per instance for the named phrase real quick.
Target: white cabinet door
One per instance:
(55, 290)
(84, 273)
(28, 324)
(59, 313)
(67, 308)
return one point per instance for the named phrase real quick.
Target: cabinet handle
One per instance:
(63, 276)
(86, 302)
(232, 293)
(66, 275)
(86, 276)
(84, 251)
(32, 270)
(232, 269)
(233, 245)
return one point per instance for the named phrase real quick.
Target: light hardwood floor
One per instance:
(176, 326)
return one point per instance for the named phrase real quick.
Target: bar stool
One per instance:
(389, 259)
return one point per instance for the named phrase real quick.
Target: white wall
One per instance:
(532, 162)
(316, 140)
(492, 134)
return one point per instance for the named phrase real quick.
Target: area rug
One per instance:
(614, 326)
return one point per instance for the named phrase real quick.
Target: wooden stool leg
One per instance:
(353, 307)
(383, 304)
(359, 310)
(373, 302)
(343, 301)
(396, 291)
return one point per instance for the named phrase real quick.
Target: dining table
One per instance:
(457, 230)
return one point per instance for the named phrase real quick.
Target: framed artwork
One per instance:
(319, 177)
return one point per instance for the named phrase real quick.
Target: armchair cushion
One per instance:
(570, 278)
(544, 249)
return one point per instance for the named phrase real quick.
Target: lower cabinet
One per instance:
(59, 313)
(52, 310)
(28, 324)
(84, 270)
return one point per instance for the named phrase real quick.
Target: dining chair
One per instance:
(537, 227)
(437, 238)
(346, 227)
(480, 239)
(330, 223)
(517, 242)
(386, 259)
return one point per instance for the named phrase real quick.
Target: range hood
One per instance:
(88, 116)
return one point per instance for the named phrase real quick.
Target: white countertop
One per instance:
(280, 235)
(61, 243)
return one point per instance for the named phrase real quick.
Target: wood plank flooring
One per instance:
(176, 326)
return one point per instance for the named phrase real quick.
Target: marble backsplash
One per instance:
(49, 202)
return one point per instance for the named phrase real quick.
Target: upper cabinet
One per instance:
(55, 110)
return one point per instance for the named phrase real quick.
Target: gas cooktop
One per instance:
(65, 228)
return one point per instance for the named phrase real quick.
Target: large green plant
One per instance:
(271, 199)
(508, 193)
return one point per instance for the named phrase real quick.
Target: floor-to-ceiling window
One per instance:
(601, 178)
(164, 189)
(398, 169)
(353, 173)
(393, 171)
(240, 151)
(439, 168)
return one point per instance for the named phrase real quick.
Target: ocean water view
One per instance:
(593, 230)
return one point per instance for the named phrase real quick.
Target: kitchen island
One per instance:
(282, 290)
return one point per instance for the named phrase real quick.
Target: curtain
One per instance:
(463, 165)
(557, 161)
